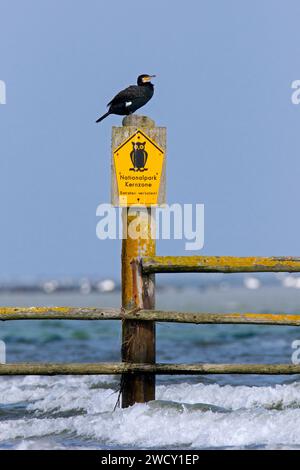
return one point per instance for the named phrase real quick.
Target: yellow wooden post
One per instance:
(138, 337)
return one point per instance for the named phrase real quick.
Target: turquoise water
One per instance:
(190, 412)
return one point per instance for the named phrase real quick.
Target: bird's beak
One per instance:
(148, 78)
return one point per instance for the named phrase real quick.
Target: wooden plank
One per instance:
(218, 318)
(60, 313)
(94, 313)
(138, 336)
(219, 264)
(161, 369)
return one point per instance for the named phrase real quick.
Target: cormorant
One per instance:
(132, 98)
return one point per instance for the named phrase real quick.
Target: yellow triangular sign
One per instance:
(138, 165)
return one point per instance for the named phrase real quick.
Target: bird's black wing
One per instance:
(129, 93)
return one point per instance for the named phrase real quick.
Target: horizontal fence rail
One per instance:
(160, 369)
(94, 313)
(60, 313)
(218, 264)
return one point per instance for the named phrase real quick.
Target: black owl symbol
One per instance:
(138, 156)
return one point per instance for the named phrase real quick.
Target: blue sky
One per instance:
(223, 89)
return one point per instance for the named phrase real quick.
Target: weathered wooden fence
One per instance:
(138, 370)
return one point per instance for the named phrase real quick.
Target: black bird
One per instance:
(132, 98)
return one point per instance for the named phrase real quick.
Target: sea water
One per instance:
(199, 412)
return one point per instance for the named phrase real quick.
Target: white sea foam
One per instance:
(185, 415)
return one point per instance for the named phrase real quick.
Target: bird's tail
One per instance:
(103, 117)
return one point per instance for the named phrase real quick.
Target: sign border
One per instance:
(146, 137)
